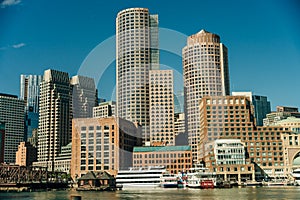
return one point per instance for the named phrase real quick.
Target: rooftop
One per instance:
(162, 148)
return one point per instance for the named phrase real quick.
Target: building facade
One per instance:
(102, 144)
(262, 106)
(12, 115)
(161, 107)
(62, 162)
(232, 117)
(84, 96)
(105, 109)
(175, 158)
(205, 73)
(2, 139)
(26, 154)
(136, 54)
(55, 119)
(30, 93)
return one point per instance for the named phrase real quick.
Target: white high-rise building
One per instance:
(84, 96)
(161, 107)
(55, 121)
(205, 72)
(12, 116)
(136, 54)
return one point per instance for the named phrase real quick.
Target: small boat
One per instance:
(252, 183)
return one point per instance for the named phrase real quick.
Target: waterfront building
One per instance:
(2, 139)
(84, 96)
(12, 115)
(26, 154)
(175, 158)
(161, 107)
(232, 117)
(55, 119)
(105, 109)
(229, 152)
(231, 162)
(136, 54)
(262, 106)
(102, 144)
(205, 73)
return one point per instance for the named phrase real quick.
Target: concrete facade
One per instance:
(161, 107)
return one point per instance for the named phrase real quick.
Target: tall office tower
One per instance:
(205, 73)
(12, 115)
(29, 92)
(55, 124)
(262, 106)
(136, 53)
(161, 107)
(84, 96)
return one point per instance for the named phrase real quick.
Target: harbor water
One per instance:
(249, 193)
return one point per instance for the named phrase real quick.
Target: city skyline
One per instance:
(261, 36)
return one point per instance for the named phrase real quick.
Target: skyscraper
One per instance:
(84, 96)
(161, 107)
(29, 92)
(12, 115)
(136, 53)
(55, 120)
(205, 72)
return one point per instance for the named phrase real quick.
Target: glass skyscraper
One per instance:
(29, 92)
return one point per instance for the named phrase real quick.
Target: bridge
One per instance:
(31, 177)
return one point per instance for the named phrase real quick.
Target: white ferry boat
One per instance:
(149, 177)
(169, 181)
(296, 175)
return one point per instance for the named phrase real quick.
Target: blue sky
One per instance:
(262, 38)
